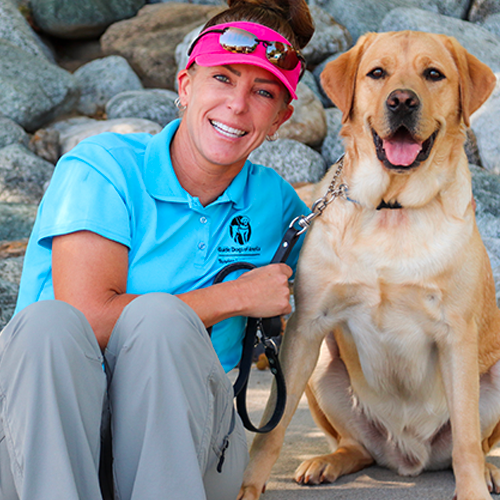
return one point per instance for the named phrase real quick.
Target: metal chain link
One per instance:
(333, 191)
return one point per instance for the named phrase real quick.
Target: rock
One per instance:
(308, 122)
(486, 189)
(327, 103)
(485, 123)
(34, 91)
(45, 144)
(332, 147)
(492, 24)
(481, 9)
(74, 130)
(181, 57)
(16, 223)
(156, 105)
(10, 272)
(23, 175)
(148, 41)
(102, 79)
(81, 19)
(478, 41)
(293, 160)
(12, 133)
(471, 148)
(361, 16)
(15, 29)
(329, 37)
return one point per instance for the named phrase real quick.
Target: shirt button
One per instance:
(203, 220)
(201, 245)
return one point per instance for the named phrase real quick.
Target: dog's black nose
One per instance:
(403, 101)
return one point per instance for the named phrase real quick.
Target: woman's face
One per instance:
(231, 110)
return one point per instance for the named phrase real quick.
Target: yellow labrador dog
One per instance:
(396, 310)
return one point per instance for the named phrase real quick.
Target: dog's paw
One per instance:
(248, 492)
(322, 469)
(492, 476)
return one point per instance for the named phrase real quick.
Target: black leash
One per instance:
(261, 330)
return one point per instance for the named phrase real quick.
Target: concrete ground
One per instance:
(304, 440)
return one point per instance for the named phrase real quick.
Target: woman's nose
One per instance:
(237, 100)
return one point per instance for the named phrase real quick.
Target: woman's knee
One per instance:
(49, 325)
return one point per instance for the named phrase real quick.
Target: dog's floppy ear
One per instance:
(339, 76)
(477, 81)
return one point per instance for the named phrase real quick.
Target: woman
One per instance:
(128, 239)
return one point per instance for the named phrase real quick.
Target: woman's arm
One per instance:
(90, 273)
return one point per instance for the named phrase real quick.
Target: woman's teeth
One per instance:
(227, 131)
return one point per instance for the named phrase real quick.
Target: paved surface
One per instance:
(304, 440)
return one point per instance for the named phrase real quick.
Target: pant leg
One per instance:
(171, 405)
(52, 388)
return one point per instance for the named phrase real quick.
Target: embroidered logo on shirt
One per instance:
(240, 229)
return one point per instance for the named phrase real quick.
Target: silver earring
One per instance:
(272, 138)
(178, 104)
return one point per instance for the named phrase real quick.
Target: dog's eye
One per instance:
(376, 73)
(433, 74)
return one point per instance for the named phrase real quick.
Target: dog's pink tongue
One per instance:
(401, 151)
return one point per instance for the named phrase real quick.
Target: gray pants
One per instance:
(170, 401)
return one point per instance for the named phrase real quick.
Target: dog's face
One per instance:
(405, 98)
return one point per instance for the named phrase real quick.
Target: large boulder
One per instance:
(16, 220)
(23, 175)
(149, 40)
(74, 130)
(293, 160)
(361, 16)
(15, 29)
(102, 79)
(333, 147)
(10, 272)
(481, 9)
(308, 122)
(81, 19)
(485, 123)
(492, 24)
(33, 90)
(477, 40)
(156, 105)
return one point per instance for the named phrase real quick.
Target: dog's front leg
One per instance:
(458, 355)
(298, 356)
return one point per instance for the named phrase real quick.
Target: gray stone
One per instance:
(149, 40)
(74, 130)
(45, 144)
(485, 123)
(156, 105)
(492, 24)
(477, 40)
(12, 133)
(486, 189)
(15, 29)
(481, 9)
(81, 19)
(23, 175)
(327, 103)
(308, 122)
(10, 275)
(16, 220)
(471, 148)
(332, 147)
(33, 91)
(293, 160)
(361, 16)
(329, 37)
(102, 79)
(181, 50)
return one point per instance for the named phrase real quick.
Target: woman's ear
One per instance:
(184, 85)
(283, 115)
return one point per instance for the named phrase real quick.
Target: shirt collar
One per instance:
(162, 183)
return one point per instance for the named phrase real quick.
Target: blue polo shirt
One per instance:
(123, 187)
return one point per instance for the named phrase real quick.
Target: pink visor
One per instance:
(207, 50)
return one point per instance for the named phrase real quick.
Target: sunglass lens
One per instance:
(239, 41)
(282, 56)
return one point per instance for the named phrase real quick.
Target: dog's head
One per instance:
(406, 98)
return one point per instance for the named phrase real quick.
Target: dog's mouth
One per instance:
(401, 151)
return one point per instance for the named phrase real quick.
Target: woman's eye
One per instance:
(377, 73)
(222, 78)
(265, 93)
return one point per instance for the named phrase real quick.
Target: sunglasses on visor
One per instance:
(239, 41)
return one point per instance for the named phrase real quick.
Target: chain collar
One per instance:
(335, 189)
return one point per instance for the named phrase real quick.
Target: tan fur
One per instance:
(396, 316)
